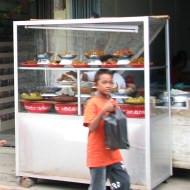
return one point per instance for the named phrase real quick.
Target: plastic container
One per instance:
(66, 109)
(37, 107)
(133, 111)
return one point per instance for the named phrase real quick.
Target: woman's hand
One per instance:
(3, 142)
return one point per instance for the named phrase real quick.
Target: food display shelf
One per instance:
(149, 159)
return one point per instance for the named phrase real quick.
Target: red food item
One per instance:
(55, 65)
(66, 109)
(80, 65)
(136, 65)
(133, 111)
(109, 65)
(123, 52)
(37, 107)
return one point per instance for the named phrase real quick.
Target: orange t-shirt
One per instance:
(97, 153)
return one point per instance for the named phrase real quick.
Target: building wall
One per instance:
(183, 26)
(178, 10)
(121, 8)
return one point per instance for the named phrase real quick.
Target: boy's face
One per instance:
(105, 84)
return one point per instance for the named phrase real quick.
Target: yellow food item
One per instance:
(31, 96)
(136, 100)
(34, 94)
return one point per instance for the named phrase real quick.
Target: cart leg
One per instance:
(26, 182)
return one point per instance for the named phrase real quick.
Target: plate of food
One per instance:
(79, 64)
(94, 54)
(123, 53)
(137, 62)
(29, 63)
(136, 65)
(35, 96)
(55, 64)
(67, 55)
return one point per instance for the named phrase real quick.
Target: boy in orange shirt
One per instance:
(103, 162)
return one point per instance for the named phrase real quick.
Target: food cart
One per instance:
(49, 104)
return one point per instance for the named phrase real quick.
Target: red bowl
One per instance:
(37, 107)
(133, 111)
(80, 65)
(66, 109)
(29, 65)
(109, 65)
(55, 65)
(136, 65)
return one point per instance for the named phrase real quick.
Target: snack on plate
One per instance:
(67, 54)
(94, 53)
(123, 52)
(78, 63)
(137, 61)
(68, 76)
(54, 63)
(29, 63)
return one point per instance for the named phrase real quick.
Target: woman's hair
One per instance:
(101, 72)
(104, 58)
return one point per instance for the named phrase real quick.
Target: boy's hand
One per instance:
(109, 107)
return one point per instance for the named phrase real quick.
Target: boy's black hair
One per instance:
(101, 72)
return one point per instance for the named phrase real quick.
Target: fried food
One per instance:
(123, 52)
(139, 60)
(92, 53)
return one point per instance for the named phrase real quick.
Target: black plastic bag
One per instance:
(116, 135)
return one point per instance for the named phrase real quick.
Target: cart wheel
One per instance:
(26, 182)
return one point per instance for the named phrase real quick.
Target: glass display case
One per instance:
(55, 62)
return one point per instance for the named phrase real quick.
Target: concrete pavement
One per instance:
(8, 181)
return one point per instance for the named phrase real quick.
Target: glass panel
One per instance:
(159, 110)
(52, 58)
